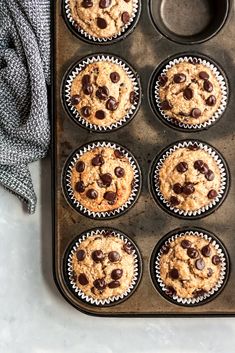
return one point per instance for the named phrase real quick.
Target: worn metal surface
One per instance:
(145, 136)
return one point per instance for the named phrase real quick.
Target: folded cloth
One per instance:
(24, 76)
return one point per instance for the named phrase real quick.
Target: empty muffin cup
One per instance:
(189, 266)
(102, 267)
(101, 180)
(189, 92)
(189, 179)
(101, 22)
(187, 22)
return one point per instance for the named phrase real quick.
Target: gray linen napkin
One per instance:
(24, 75)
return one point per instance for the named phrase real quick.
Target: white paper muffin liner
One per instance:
(97, 40)
(223, 87)
(113, 299)
(224, 184)
(77, 117)
(223, 264)
(69, 193)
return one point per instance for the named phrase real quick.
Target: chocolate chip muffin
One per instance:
(103, 266)
(189, 92)
(103, 93)
(189, 178)
(190, 266)
(102, 18)
(102, 179)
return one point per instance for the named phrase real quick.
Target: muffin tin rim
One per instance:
(158, 246)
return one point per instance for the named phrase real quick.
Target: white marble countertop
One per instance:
(36, 319)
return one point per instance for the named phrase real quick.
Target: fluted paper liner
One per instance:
(223, 273)
(74, 113)
(224, 184)
(114, 299)
(223, 87)
(69, 193)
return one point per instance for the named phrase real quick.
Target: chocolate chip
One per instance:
(207, 85)
(162, 80)
(118, 154)
(99, 284)
(103, 4)
(198, 164)
(210, 272)
(106, 179)
(125, 17)
(114, 256)
(186, 244)
(206, 251)
(193, 61)
(80, 187)
(216, 260)
(80, 255)
(119, 172)
(102, 93)
(201, 166)
(165, 249)
(82, 279)
(112, 104)
(200, 264)
(87, 3)
(199, 293)
(92, 194)
(132, 97)
(210, 175)
(115, 77)
(170, 291)
(80, 166)
(188, 93)
(182, 167)
(193, 147)
(98, 160)
(188, 188)
(179, 78)
(174, 273)
(86, 80)
(101, 23)
(128, 248)
(100, 114)
(193, 253)
(177, 188)
(203, 75)
(86, 111)
(212, 194)
(110, 196)
(114, 284)
(87, 89)
(116, 274)
(196, 113)
(174, 201)
(97, 256)
(75, 99)
(211, 101)
(166, 105)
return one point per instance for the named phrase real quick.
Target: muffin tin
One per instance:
(145, 136)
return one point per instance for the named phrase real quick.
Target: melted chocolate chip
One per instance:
(106, 179)
(87, 89)
(216, 260)
(80, 166)
(162, 80)
(182, 167)
(177, 188)
(80, 187)
(75, 99)
(132, 97)
(86, 80)
(110, 196)
(87, 3)
(112, 104)
(188, 93)
(116, 274)
(98, 160)
(186, 244)
(208, 86)
(165, 249)
(114, 256)
(192, 253)
(99, 284)
(82, 279)
(179, 78)
(210, 272)
(188, 188)
(200, 264)
(166, 105)
(174, 201)
(86, 111)
(118, 154)
(210, 175)
(212, 194)
(199, 293)
(97, 256)
(128, 248)
(92, 194)
(174, 273)
(101, 23)
(114, 284)
(170, 291)
(80, 255)
(193, 147)
(103, 4)
(196, 113)
(102, 93)
(206, 251)
(114, 77)
(203, 75)
(125, 17)
(100, 114)
(211, 101)
(119, 172)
